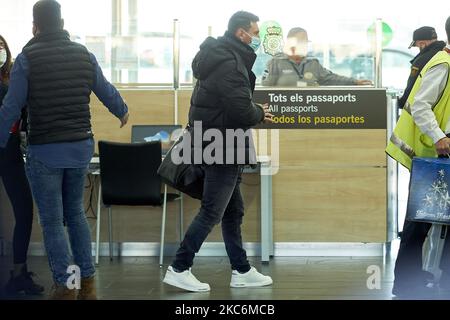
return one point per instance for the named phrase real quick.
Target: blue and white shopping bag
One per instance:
(429, 191)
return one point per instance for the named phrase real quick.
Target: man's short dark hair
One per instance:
(47, 15)
(447, 28)
(294, 31)
(241, 19)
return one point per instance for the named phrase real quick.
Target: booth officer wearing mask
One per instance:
(293, 68)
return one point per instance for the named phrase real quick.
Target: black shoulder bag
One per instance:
(187, 178)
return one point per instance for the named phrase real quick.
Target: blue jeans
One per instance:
(221, 202)
(58, 193)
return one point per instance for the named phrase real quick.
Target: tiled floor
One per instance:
(295, 278)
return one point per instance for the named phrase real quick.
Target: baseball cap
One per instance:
(423, 33)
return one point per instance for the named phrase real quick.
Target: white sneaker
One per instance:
(252, 278)
(185, 280)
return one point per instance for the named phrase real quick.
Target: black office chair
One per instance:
(128, 174)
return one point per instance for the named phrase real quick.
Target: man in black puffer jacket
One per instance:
(222, 109)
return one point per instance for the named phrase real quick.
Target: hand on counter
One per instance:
(267, 115)
(363, 82)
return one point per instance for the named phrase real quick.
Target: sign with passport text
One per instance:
(325, 108)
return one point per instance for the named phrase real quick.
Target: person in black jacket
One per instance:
(425, 38)
(222, 103)
(12, 173)
(54, 77)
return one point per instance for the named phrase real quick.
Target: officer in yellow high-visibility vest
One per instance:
(421, 131)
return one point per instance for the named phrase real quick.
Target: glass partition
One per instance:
(344, 55)
(132, 39)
